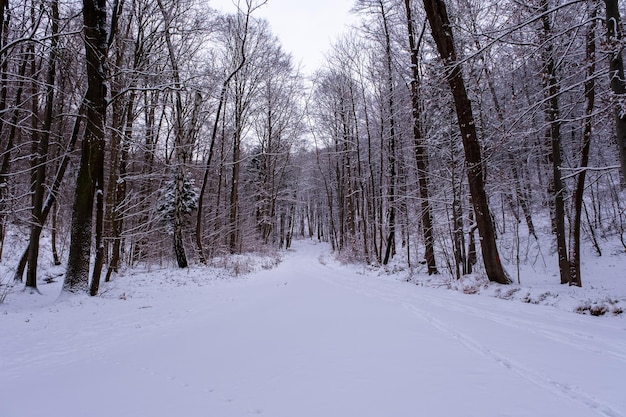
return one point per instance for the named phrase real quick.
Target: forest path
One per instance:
(311, 338)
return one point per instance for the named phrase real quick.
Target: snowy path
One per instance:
(308, 339)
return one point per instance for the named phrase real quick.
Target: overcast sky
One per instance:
(305, 28)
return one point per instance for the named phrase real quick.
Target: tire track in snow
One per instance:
(340, 280)
(531, 376)
(590, 343)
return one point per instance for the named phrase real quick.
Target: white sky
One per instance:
(305, 28)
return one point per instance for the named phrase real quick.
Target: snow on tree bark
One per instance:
(92, 153)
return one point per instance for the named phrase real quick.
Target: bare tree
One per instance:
(553, 139)
(590, 97)
(243, 18)
(91, 169)
(614, 35)
(421, 150)
(442, 34)
(40, 154)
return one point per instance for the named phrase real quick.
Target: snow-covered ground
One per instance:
(309, 337)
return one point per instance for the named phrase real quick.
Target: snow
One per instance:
(310, 337)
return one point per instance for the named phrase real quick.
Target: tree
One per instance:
(614, 35)
(91, 169)
(381, 9)
(553, 138)
(442, 34)
(168, 205)
(590, 97)
(40, 154)
(421, 150)
(244, 22)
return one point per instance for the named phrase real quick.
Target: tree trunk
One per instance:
(234, 232)
(421, 151)
(616, 75)
(553, 136)
(590, 96)
(179, 246)
(40, 157)
(5, 15)
(92, 155)
(391, 214)
(53, 235)
(117, 220)
(181, 146)
(442, 34)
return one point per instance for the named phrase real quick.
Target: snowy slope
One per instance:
(304, 339)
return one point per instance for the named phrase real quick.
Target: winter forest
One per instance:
(193, 223)
(136, 131)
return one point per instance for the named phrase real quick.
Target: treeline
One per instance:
(443, 126)
(161, 128)
(141, 131)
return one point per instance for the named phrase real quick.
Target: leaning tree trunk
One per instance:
(92, 155)
(442, 34)
(616, 75)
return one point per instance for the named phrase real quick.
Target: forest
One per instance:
(164, 132)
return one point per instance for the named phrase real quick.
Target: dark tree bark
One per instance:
(40, 156)
(8, 151)
(590, 96)
(442, 33)
(53, 235)
(553, 137)
(92, 153)
(421, 151)
(391, 158)
(181, 147)
(614, 36)
(5, 17)
(234, 232)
